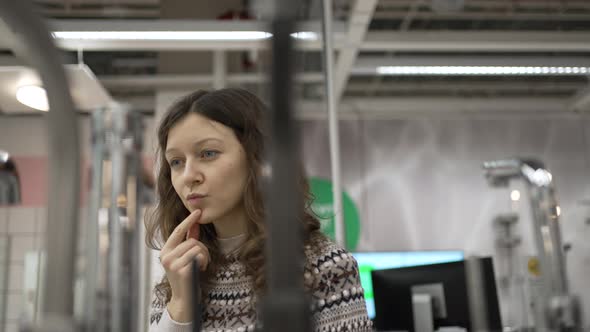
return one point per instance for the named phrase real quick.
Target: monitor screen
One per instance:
(446, 282)
(369, 261)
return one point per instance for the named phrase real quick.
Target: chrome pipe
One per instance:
(64, 161)
(134, 259)
(92, 252)
(328, 48)
(115, 250)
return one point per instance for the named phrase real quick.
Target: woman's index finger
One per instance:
(179, 233)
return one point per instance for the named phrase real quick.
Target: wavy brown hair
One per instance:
(241, 111)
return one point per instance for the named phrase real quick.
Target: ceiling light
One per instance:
(515, 195)
(175, 35)
(305, 35)
(4, 156)
(33, 96)
(162, 35)
(481, 70)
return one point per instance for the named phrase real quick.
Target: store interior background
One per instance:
(412, 147)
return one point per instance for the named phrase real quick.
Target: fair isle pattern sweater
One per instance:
(331, 274)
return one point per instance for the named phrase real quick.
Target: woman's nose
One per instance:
(192, 173)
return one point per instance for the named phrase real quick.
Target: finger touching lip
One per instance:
(194, 231)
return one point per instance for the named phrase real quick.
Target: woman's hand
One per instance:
(177, 256)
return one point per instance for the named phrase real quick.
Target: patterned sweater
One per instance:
(331, 274)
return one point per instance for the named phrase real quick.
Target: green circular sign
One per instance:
(323, 206)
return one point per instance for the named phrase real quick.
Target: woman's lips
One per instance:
(195, 199)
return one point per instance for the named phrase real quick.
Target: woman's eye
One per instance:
(174, 163)
(208, 154)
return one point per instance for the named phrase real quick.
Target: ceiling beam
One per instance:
(477, 41)
(179, 81)
(358, 24)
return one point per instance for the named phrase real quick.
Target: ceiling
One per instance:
(368, 33)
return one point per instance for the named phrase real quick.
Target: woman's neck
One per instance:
(232, 244)
(231, 225)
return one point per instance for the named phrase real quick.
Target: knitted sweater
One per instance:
(331, 275)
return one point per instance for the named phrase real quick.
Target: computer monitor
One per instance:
(393, 295)
(369, 261)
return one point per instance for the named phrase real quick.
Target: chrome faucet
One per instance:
(560, 311)
(9, 180)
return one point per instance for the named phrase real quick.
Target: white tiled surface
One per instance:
(11, 327)
(26, 226)
(22, 244)
(14, 305)
(22, 220)
(3, 249)
(41, 219)
(3, 220)
(3, 264)
(15, 277)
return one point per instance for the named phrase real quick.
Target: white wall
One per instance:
(25, 227)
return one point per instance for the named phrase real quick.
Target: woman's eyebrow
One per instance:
(197, 143)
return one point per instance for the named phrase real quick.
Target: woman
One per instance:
(210, 209)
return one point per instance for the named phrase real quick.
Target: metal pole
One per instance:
(476, 295)
(285, 307)
(64, 166)
(339, 227)
(92, 231)
(115, 250)
(134, 258)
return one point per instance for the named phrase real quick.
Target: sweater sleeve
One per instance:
(338, 303)
(160, 320)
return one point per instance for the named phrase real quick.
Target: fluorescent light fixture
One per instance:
(33, 96)
(482, 70)
(162, 35)
(175, 35)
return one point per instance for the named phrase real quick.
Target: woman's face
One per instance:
(208, 169)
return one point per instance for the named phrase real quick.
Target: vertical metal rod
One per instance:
(283, 210)
(285, 300)
(477, 297)
(115, 229)
(7, 245)
(548, 237)
(144, 281)
(134, 193)
(92, 230)
(195, 297)
(219, 69)
(328, 47)
(64, 161)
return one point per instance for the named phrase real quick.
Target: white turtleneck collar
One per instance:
(230, 244)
